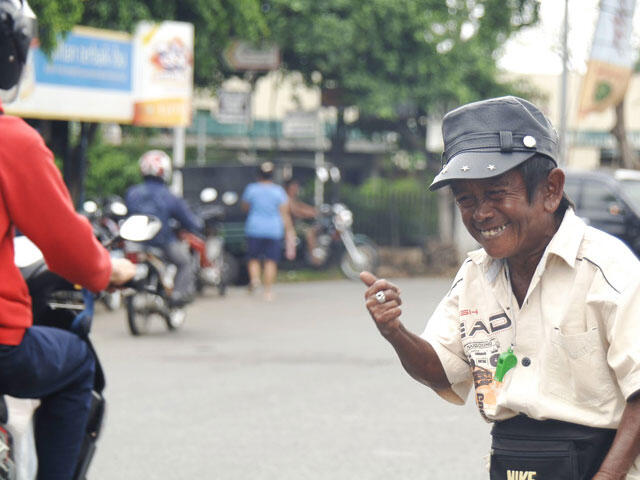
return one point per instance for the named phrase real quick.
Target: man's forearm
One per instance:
(418, 358)
(626, 445)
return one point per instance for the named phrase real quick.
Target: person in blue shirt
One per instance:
(267, 222)
(153, 197)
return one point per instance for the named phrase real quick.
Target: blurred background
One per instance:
(355, 88)
(346, 97)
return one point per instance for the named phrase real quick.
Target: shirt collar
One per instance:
(565, 244)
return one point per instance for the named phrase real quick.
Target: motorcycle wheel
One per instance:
(230, 271)
(175, 318)
(370, 262)
(138, 320)
(222, 288)
(142, 308)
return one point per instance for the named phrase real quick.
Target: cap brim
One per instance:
(474, 165)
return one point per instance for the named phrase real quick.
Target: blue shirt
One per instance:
(152, 197)
(264, 219)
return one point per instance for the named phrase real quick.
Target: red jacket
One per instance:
(35, 200)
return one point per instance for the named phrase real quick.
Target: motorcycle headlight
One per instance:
(344, 218)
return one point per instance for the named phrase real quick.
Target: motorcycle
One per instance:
(55, 303)
(335, 242)
(213, 265)
(105, 221)
(154, 280)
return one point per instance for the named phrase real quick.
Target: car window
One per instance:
(572, 189)
(597, 196)
(632, 189)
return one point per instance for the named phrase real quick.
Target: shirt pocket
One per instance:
(576, 369)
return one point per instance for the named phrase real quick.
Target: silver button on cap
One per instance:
(529, 141)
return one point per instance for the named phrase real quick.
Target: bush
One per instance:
(111, 170)
(398, 212)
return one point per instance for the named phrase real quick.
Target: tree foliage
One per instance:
(401, 59)
(216, 23)
(55, 19)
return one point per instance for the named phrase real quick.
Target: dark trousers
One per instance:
(57, 367)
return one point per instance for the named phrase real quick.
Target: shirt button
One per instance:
(526, 361)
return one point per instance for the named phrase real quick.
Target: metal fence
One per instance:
(392, 218)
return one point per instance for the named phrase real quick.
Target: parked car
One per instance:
(608, 200)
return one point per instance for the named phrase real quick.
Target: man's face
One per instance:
(497, 214)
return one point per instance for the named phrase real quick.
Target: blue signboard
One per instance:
(83, 60)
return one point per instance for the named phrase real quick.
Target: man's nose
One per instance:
(483, 210)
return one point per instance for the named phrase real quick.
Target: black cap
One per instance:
(487, 138)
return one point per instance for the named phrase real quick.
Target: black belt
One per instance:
(523, 448)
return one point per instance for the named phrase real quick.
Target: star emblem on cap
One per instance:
(465, 168)
(491, 167)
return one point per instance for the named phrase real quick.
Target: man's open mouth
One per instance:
(493, 232)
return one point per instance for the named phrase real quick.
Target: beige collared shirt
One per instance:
(576, 337)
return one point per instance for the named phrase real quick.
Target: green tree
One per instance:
(398, 61)
(55, 19)
(216, 23)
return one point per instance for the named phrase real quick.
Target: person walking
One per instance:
(268, 224)
(542, 321)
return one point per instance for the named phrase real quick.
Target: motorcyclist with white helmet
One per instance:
(153, 197)
(51, 364)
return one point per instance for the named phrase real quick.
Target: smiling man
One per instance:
(542, 321)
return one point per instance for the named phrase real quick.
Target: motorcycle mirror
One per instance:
(25, 252)
(139, 228)
(208, 195)
(118, 208)
(229, 198)
(322, 173)
(90, 206)
(334, 172)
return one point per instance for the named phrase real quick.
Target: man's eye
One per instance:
(464, 201)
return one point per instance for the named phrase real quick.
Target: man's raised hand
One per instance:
(382, 299)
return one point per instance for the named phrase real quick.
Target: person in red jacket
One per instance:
(40, 362)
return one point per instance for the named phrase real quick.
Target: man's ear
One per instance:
(553, 190)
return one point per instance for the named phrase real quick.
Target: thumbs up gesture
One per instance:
(382, 299)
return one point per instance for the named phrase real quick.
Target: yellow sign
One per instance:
(610, 63)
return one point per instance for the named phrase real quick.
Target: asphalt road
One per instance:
(300, 388)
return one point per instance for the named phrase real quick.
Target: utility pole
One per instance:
(563, 87)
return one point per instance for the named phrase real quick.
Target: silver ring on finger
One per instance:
(381, 297)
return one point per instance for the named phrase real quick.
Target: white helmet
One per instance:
(156, 163)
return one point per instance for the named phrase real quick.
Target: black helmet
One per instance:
(18, 26)
(485, 139)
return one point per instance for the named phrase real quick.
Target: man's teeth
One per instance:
(493, 232)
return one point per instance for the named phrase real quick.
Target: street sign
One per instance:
(234, 107)
(300, 124)
(241, 55)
